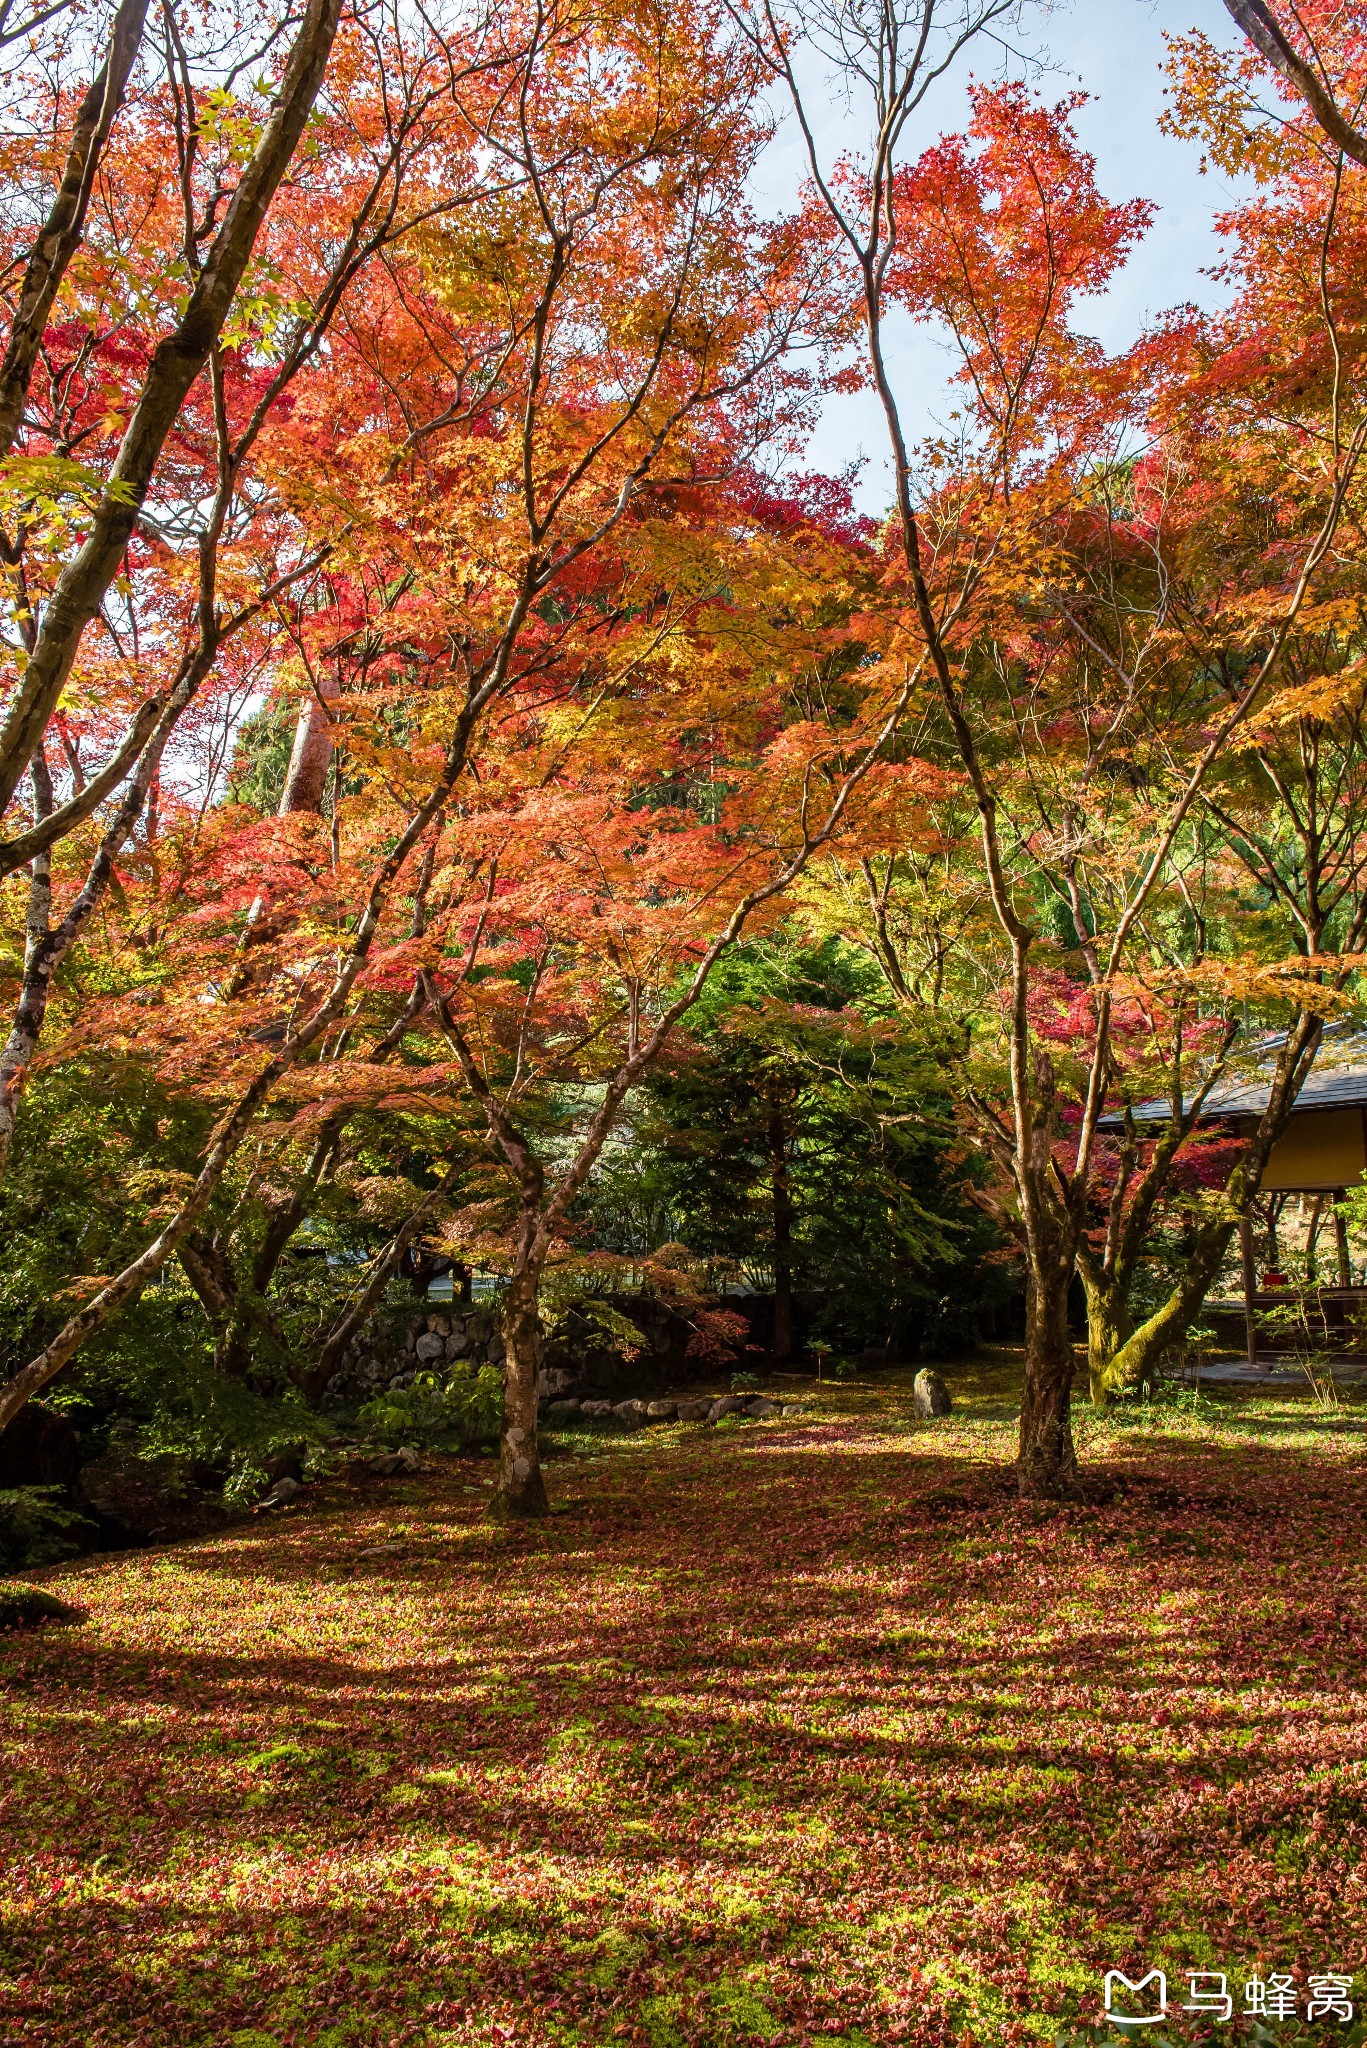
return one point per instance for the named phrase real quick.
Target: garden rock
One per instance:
(762, 1405)
(633, 1413)
(694, 1411)
(561, 1411)
(930, 1395)
(396, 1464)
(284, 1489)
(457, 1345)
(595, 1410)
(729, 1404)
(661, 1411)
(430, 1346)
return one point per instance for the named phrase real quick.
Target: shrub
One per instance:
(34, 1527)
(458, 1413)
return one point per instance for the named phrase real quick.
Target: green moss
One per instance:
(30, 1606)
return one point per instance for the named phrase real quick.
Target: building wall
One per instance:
(1320, 1148)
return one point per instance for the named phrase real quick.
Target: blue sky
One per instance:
(1114, 50)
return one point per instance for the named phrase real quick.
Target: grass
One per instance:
(793, 1732)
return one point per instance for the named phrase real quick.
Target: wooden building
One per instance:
(1322, 1152)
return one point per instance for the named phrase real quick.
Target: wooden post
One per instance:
(1250, 1287)
(1341, 1241)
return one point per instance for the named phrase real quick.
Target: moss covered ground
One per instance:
(790, 1732)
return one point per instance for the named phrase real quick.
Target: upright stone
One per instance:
(930, 1395)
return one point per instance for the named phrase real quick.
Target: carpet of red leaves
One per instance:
(799, 1732)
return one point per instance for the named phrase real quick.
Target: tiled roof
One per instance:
(1338, 1080)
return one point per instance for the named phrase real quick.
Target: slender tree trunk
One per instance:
(1341, 1243)
(19, 1048)
(1312, 1234)
(307, 774)
(234, 1315)
(1138, 1357)
(1248, 1269)
(522, 1490)
(783, 1239)
(211, 1275)
(314, 1382)
(1047, 1464)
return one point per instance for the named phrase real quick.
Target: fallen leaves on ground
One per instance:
(798, 1733)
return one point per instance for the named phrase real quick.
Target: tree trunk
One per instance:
(1108, 1327)
(783, 1239)
(1046, 1468)
(1138, 1358)
(1341, 1243)
(313, 1383)
(307, 774)
(1312, 1235)
(521, 1488)
(1275, 1205)
(17, 1054)
(1248, 1273)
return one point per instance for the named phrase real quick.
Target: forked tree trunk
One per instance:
(1109, 1325)
(1046, 1466)
(521, 1488)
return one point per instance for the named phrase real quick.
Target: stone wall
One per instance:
(388, 1355)
(579, 1360)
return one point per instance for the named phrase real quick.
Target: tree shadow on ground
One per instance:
(857, 1737)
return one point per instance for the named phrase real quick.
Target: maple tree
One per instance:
(490, 812)
(1083, 722)
(486, 448)
(145, 541)
(1284, 805)
(469, 486)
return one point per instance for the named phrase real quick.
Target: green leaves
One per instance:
(35, 1527)
(457, 1413)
